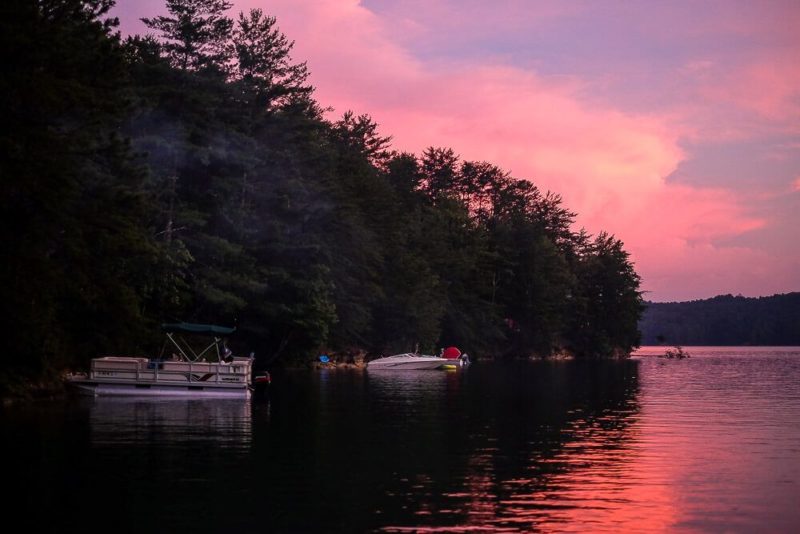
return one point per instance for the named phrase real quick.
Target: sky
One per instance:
(673, 125)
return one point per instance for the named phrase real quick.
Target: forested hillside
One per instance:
(191, 175)
(724, 320)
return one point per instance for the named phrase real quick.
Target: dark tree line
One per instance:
(190, 175)
(724, 320)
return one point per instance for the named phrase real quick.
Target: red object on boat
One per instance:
(451, 353)
(264, 379)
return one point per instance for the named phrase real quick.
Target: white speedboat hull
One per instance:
(408, 362)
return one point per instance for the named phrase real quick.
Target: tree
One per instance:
(82, 254)
(724, 320)
(608, 303)
(359, 134)
(196, 35)
(403, 172)
(265, 68)
(145, 185)
(439, 168)
(461, 256)
(477, 181)
(533, 290)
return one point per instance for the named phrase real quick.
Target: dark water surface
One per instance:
(708, 444)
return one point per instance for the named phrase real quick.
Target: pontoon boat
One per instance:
(211, 372)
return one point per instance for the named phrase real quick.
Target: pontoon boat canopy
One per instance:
(202, 329)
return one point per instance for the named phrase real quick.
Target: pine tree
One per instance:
(608, 302)
(82, 254)
(264, 65)
(196, 35)
(440, 168)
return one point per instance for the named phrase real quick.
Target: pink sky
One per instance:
(673, 125)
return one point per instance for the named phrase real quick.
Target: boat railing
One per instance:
(146, 370)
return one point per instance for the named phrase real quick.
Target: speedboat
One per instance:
(450, 358)
(212, 372)
(407, 361)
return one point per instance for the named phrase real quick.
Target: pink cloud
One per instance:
(768, 88)
(750, 98)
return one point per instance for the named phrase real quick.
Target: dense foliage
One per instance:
(192, 176)
(724, 320)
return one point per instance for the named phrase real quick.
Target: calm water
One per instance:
(708, 444)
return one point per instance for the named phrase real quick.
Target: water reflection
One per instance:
(389, 383)
(537, 446)
(704, 444)
(419, 395)
(145, 421)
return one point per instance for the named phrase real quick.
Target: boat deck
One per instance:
(123, 375)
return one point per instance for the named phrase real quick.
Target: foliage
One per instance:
(608, 302)
(724, 320)
(195, 34)
(193, 177)
(77, 252)
(264, 67)
(676, 353)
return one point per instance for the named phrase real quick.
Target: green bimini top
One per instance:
(201, 329)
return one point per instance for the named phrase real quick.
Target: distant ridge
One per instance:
(723, 320)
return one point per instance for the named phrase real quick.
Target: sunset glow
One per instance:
(675, 126)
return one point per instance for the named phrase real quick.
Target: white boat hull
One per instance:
(409, 362)
(110, 389)
(140, 377)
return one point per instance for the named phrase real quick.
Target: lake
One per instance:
(706, 444)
